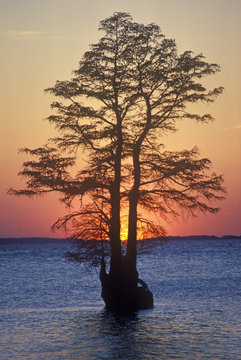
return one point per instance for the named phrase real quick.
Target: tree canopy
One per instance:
(129, 90)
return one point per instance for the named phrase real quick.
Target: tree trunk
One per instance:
(141, 295)
(120, 289)
(123, 295)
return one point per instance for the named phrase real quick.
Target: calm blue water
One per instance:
(50, 307)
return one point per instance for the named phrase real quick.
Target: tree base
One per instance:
(123, 295)
(144, 298)
(125, 300)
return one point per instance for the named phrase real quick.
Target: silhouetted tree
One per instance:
(130, 89)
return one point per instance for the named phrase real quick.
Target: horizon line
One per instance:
(157, 237)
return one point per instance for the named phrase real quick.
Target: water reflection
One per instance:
(115, 337)
(124, 336)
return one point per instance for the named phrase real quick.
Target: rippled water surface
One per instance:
(50, 307)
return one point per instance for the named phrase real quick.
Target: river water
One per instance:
(50, 307)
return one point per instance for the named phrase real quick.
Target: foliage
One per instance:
(130, 88)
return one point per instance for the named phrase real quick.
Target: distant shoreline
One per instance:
(31, 240)
(46, 240)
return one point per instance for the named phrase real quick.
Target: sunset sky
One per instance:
(43, 40)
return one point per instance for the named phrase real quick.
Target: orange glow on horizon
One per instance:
(124, 228)
(141, 232)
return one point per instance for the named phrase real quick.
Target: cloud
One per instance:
(25, 35)
(234, 127)
(35, 35)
